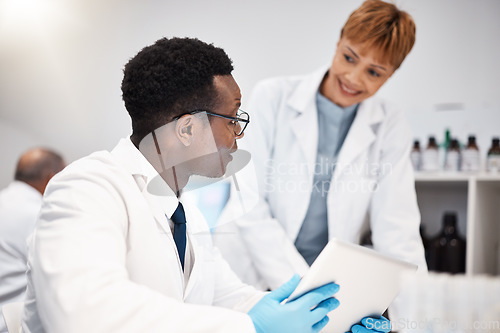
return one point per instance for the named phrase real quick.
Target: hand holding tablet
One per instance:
(271, 315)
(368, 281)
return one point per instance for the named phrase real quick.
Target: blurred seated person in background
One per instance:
(20, 203)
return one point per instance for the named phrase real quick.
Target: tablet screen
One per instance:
(368, 281)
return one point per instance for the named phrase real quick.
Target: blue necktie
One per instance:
(179, 219)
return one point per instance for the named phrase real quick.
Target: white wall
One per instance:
(61, 61)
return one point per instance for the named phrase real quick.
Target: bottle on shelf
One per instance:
(453, 156)
(416, 155)
(430, 156)
(443, 148)
(447, 250)
(447, 139)
(366, 239)
(493, 158)
(425, 241)
(498, 259)
(470, 155)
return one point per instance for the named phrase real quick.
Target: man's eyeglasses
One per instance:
(240, 122)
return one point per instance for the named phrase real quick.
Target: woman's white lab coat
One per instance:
(103, 258)
(373, 177)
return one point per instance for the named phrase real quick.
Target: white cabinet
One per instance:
(476, 200)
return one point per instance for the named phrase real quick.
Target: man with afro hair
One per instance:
(117, 250)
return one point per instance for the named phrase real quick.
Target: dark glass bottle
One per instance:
(447, 250)
(453, 157)
(366, 239)
(432, 143)
(430, 156)
(425, 242)
(470, 155)
(493, 159)
(416, 155)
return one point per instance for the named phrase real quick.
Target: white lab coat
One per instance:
(373, 176)
(19, 207)
(103, 258)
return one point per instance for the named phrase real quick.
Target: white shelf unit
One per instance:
(475, 197)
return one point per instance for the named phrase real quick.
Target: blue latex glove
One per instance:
(270, 316)
(372, 324)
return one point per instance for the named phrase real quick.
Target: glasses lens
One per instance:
(237, 128)
(241, 125)
(243, 115)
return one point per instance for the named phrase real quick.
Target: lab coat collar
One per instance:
(305, 94)
(162, 206)
(371, 112)
(361, 134)
(305, 125)
(27, 190)
(144, 173)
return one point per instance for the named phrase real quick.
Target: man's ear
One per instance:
(184, 129)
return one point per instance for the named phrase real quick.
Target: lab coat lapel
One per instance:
(194, 277)
(305, 125)
(158, 212)
(306, 131)
(198, 234)
(157, 205)
(360, 136)
(144, 173)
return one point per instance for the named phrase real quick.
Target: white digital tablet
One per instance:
(368, 281)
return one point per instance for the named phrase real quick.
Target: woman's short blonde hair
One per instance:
(381, 25)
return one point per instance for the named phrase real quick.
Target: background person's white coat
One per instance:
(373, 175)
(19, 207)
